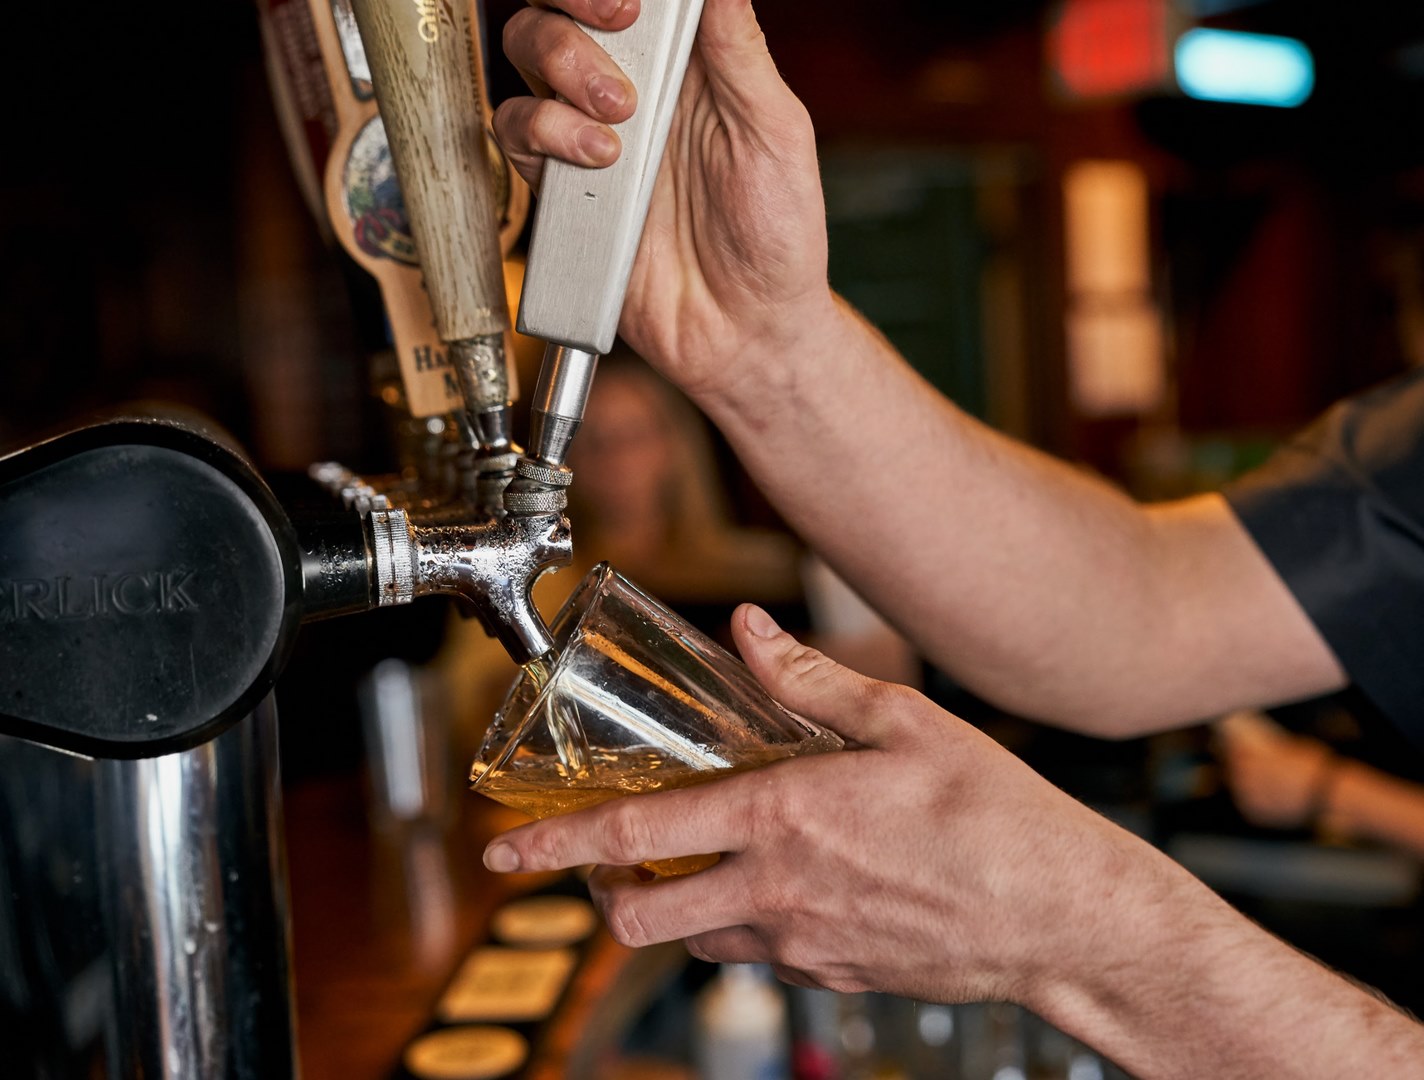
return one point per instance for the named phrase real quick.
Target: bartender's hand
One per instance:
(926, 861)
(929, 862)
(1276, 778)
(733, 258)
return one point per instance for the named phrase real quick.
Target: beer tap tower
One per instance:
(151, 587)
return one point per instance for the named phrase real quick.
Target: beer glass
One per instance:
(636, 701)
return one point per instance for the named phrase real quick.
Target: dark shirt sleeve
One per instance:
(1339, 512)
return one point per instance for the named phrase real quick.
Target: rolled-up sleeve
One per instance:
(1339, 512)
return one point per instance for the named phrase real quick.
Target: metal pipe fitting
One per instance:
(559, 400)
(492, 565)
(483, 373)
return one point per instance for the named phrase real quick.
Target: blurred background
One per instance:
(1048, 207)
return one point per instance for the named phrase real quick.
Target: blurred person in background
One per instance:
(1280, 780)
(650, 501)
(929, 862)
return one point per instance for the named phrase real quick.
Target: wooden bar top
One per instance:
(381, 922)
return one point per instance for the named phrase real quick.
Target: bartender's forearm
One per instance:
(1039, 587)
(1178, 985)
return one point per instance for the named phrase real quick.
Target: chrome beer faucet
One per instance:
(587, 230)
(490, 565)
(489, 547)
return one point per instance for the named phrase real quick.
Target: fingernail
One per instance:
(598, 144)
(607, 9)
(607, 94)
(501, 858)
(760, 623)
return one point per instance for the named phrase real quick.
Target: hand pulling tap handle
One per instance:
(589, 222)
(425, 68)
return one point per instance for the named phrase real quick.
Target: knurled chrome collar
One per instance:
(554, 476)
(395, 557)
(541, 501)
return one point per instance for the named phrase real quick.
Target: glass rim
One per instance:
(593, 583)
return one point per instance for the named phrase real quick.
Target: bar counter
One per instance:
(381, 922)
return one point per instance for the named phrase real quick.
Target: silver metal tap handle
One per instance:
(589, 222)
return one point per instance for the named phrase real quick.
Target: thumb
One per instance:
(812, 684)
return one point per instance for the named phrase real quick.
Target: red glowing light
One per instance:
(1108, 48)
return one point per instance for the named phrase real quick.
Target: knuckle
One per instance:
(794, 977)
(543, 126)
(517, 29)
(842, 984)
(542, 848)
(789, 952)
(808, 664)
(546, 44)
(557, 42)
(620, 912)
(781, 808)
(885, 696)
(625, 834)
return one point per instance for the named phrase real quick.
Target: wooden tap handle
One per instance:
(427, 74)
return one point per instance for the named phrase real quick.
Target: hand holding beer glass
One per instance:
(636, 701)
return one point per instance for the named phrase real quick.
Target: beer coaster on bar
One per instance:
(507, 985)
(466, 1053)
(544, 922)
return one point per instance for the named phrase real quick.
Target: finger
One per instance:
(669, 909)
(811, 684)
(606, 877)
(555, 56)
(795, 977)
(605, 14)
(530, 129)
(729, 945)
(714, 817)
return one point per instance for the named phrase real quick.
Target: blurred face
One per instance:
(623, 452)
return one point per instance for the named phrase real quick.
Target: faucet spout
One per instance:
(491, 564)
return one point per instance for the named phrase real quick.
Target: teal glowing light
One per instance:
(1252, 69)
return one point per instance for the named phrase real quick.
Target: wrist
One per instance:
(757, 375)
(1162, 948)
(1137, 928)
